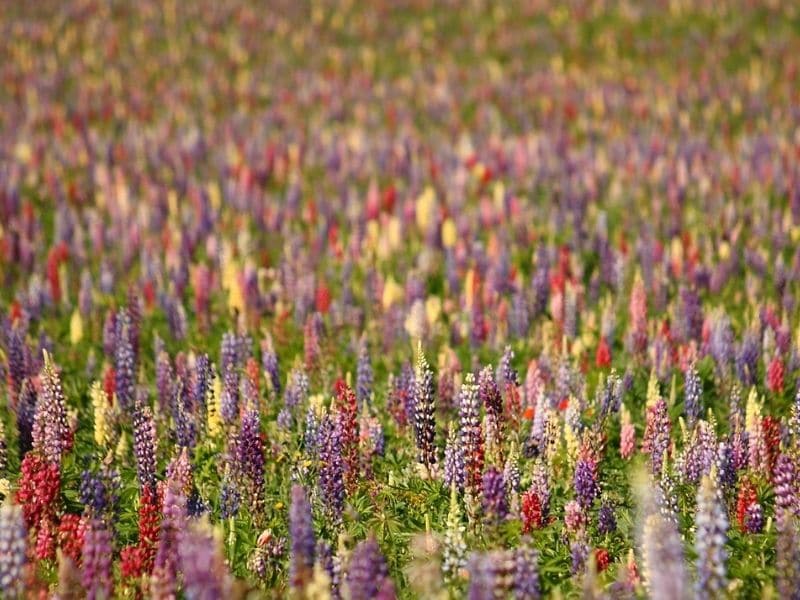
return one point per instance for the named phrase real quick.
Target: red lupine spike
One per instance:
(746, 497)
(603, 355)
(601, 559)
(531, 511)
(322, 298)
(772, 438)
(110, 382)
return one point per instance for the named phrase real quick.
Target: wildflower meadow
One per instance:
(400, 299)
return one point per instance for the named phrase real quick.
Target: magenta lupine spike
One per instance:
(50, 429)
(98, 580)
(301, 533)
(637, 309)
(367, 574)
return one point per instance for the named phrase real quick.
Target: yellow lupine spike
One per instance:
(100, 406)
(75, 328)
(214, 404)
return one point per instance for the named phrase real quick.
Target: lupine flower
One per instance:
(574, 516)
(229, 398)
(787, 497)
(205, 575)
(302, 538)
(754, 519)
(662, 554)
(26, 415)
(585, 482)
(13, 550)
(525, 584)
(606, 520)
(692, 394)
(424, 413)
(471, 432)
(531, 508)
(487, 575)
(657, 434)
(700, 453)
(269, 363)
(331, 469)
(638, 316)
(124, 362)
(250, 459)
(164, 581)
(775, 375)
(363, 373)
(144, 446)
(367, 573)
(495, 503)
(579, 554)
(97, 552)
(711, 526)
(51, 435)
(346, 413)
(39, 488)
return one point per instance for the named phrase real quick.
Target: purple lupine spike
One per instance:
(124, 362)
(692, 395)
(690, 322)
(269, 363)
(525, 585)
(13, 550)
(540, 283)
(203, 381)
(747, 358)
(202, 562)
(85, 301)
(506, 374)
(519, 318)
(302, 539)
(784, 478)
(164, 581)
(363, 373)
(481, 569)
(250, 457)
(144, 446)
(495, 504)
(229, 401)
(97, 577)
(26, 414)
(711, 527)
(17, 365)
(726, 469)
(579, 554)
(454, 472)
(98, 491)
(721, 342)
(489, 393)
(228, 351)
(229, 498)
(471, 432)
(367, 574)
(50, 428)
(754, 518)
(331, 471)
(585, 482)
(700, 454)
(425, 413)
(606, 520)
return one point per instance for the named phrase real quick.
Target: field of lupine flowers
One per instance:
(400, 299)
